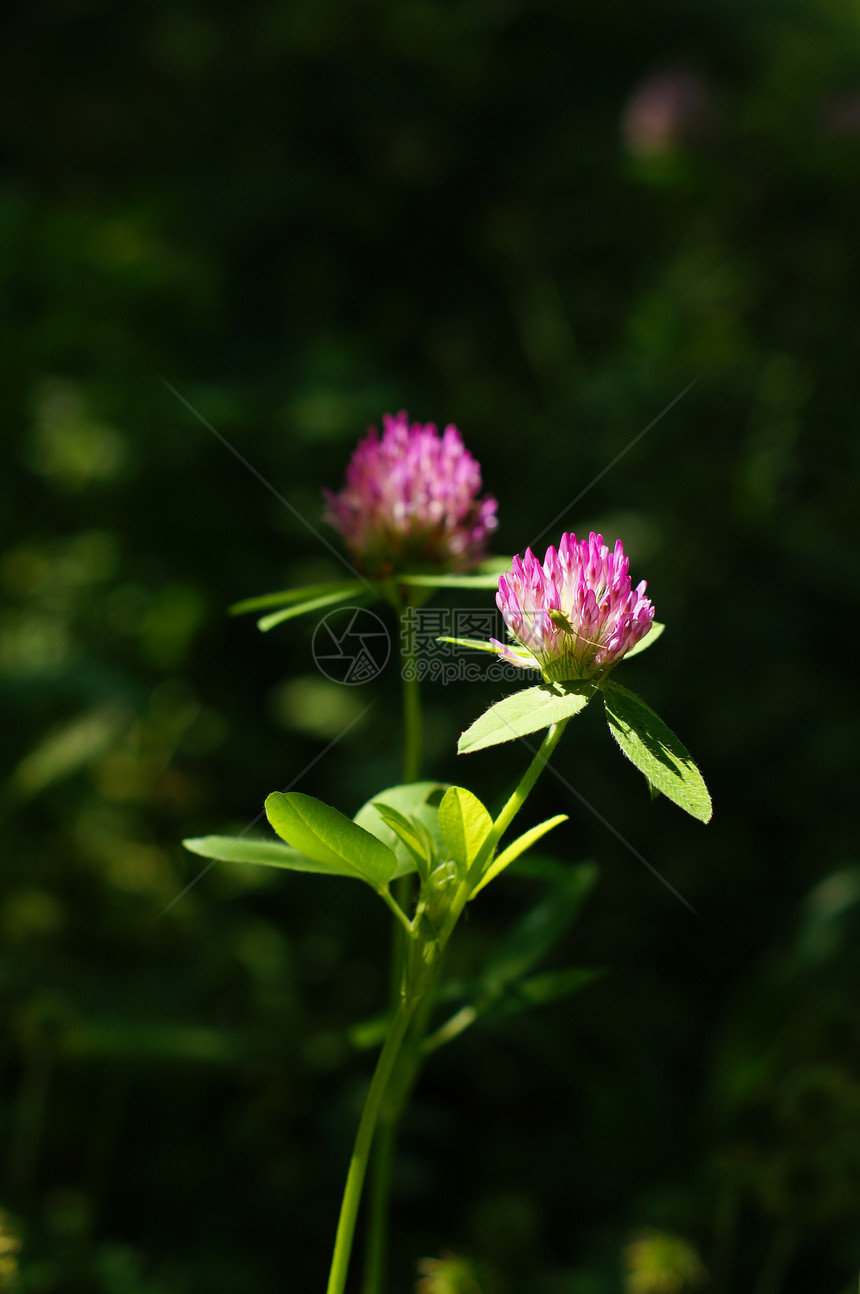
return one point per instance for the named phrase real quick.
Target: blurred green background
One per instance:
(540, 221)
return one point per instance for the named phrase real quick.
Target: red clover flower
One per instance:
(410, 501)
(576, 615)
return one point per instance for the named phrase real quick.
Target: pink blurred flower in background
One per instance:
(576, 615)
(666, 108)
(410, 501)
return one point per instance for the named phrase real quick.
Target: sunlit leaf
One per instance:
(326, 835)
(525, 712)
(465, 825)
(418, 800)
(656, 751)
(267, 853)
(412, 834)
(517, 847)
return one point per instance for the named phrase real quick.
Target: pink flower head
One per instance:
(411, 500)
(576, 615)
(667, 108)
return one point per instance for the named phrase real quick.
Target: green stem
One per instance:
(552, 736)
(401, 1083)
(377, 1208)
(391, 902)
(361, 1149)
(411, 708)
(461, 1020)
(500, 826)
(402, 1072)
(383, 1154)
(405, 1073)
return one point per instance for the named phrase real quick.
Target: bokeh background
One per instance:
(541, 221)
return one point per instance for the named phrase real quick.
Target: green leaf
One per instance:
(503, 988)
(656, 751)
(68, 748)
(289, 597)
(413, 834)
(327, 836)
(353, 590)
(267, 853)
(538, 990)
(537, 867)
(528, 711)
(418, 800)
(540, 929)
(477, 643)
(465, 825)
(369, 1033)
(519, 846)
(648, 641)
(442, 581)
